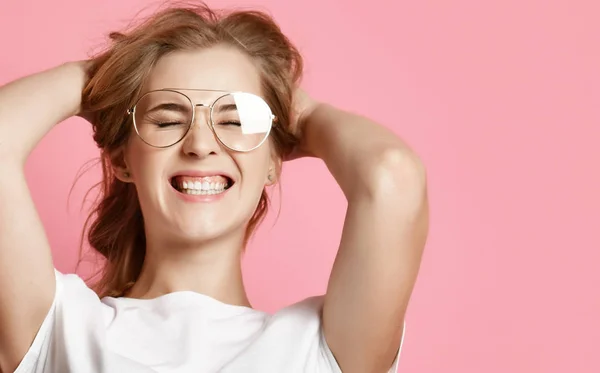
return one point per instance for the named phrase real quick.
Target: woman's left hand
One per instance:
(303, 106)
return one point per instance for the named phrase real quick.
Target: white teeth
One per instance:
(201, 187)
(202, 192)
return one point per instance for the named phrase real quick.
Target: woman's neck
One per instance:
(212, 269)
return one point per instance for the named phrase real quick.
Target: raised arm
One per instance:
(383, 237)
(29, 108)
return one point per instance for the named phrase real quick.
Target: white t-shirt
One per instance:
(178, 332)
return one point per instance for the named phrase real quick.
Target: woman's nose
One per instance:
(200, 140)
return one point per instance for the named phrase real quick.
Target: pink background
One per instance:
(500, 98)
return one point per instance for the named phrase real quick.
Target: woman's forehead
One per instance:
(196, 95)
(205, 73)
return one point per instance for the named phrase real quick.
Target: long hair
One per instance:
(115, 226)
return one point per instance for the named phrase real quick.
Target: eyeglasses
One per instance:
(240, 121)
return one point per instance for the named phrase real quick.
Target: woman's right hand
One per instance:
(85, 66)
(31, 106)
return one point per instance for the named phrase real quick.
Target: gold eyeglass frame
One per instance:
(209, 122)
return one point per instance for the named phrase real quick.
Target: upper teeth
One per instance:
(202, 185)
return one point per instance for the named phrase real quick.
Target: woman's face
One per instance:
(164, 176)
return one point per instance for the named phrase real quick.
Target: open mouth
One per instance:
(207, 185)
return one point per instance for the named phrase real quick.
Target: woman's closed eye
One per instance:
(230, 123)
(168, 124)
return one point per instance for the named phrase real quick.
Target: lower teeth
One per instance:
(201, 192)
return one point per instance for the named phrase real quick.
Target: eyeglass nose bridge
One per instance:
(208, 117)
(208, 122)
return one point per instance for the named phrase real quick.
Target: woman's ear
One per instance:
(119, 166)
(274, 171)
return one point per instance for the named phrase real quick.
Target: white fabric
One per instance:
(179, 332)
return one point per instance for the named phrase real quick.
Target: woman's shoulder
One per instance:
(72, 285)
(295, 334)
(304, 307)
(302, 316)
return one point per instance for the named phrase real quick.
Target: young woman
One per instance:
(194, 112)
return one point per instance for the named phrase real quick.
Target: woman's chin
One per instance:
(198, 234)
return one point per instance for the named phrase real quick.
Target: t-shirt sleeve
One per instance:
(305, 344)
(69, 337)
(334, 366)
